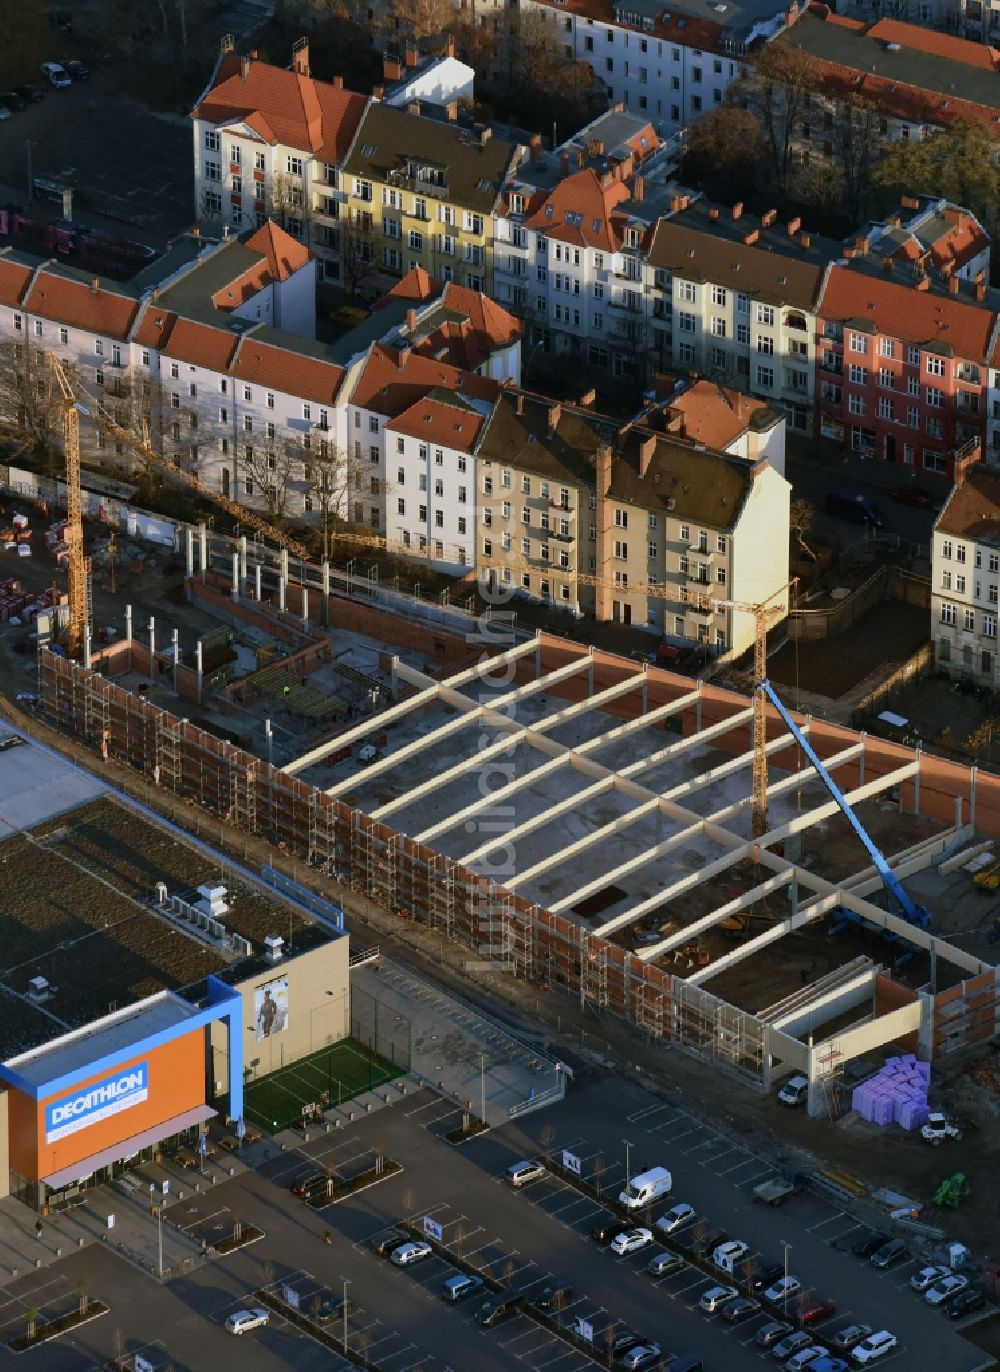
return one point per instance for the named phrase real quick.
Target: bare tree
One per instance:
(119, 1349)
(778, 87)
(266, 1274)
(82, 1287)
(357, 248)
(31, 1319)
(30, 402)
(801, 513)
(331, 477)
(600, 1168)
(269, 466)
(422, 18)
(547, 1136)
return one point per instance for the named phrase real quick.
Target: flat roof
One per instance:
(111, 1037)
(36, 784)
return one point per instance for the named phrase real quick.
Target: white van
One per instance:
(728, 1256)
(646, 1188)
(794, 1090)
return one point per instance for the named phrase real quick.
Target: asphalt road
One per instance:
(520, 1237)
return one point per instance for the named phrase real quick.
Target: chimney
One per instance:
(676, 204)
(337, 82)
(451, 109)
(535, 147)
(404, 357)
(793, 226)
(909, 202)
(564, 164)
(95, 284)
(737, 209)
(962, 464)
(980, 291)
(713, 213)
(392, 69)
(638, 189)
(300, 57)
(923, 284)
(766, 220)
(588, 399)
(520, 402)
(887, 264)
(953, 285)
(411, 321)
(751, 237)
(378, 92)
(413, 107)
(738, 404)
(273, 945)
(805, 240)
(862, 243)
(411, 55)
(647, 447)
(244, 68)
(449, 46)
(953, 215)
(553, 417)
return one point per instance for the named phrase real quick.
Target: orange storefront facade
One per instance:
(167, 1081)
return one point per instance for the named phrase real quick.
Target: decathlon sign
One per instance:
(98, 1102)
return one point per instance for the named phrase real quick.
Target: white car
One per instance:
(55, 75)
(805, 1358)
(874, 1347)
(408, 1253)
(520, 1173)
(245, 1320)
(715, 1298)
(676, 1218)
(631, 1241)
(926, 1277)
(783, 1289)
(944, 1289)
(727, 1255)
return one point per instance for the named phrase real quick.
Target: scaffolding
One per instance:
(321, 829)
(441, 894)
(593, 971)
(167, 743)
(242, 795)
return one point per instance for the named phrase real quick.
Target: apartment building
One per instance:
(423, 192)
(636, 525)
(721, 418)
(268, 144)
(904, 362)
(736, 298)
(965, 572)
(670, 66)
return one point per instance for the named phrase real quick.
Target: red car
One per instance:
(814, 1311)
(913, 495)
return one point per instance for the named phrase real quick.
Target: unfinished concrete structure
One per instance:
(582, 821)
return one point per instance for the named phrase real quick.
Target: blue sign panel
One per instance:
(98, 1102)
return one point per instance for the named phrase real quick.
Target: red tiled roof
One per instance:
(496, 327)
(284, 107)
(937, 44)
(154, 326)
(973, 508)
(714, 415)
(417, 285)
(440, 423)
(896, 100)
(692, 32)
(14, 279)
(280, 256)
(81, 306)
(900, 311)
(291, 372)
(580, 210)
(201, 345)
(389, 388)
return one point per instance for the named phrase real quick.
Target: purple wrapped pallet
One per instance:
(883, 1111)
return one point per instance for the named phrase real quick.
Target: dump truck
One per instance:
(777, 1191)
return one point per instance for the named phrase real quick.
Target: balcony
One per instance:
(325, 207)
(628, 307)
(418, 187)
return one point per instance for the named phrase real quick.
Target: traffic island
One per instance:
(39, 1332)
(313, 1329)
(339, 1188)
(468, 1129)
(242, 1235)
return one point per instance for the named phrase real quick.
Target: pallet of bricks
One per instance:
(17, 537)
(13, 599)
(56, 540)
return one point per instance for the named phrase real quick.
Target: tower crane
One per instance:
(763, 612)
(76, 564)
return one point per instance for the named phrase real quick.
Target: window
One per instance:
(294, 166)
(64, 336)
(719, 295)
(621, 550)
(621, 519)
(946, 548)
(247, 393)
(885, 378)
(934, 397)
(912, 355)
(765, 314)
(969, 621)
(960, 585)
(718, 326)
(765, 377)
(38, 328)
(248, 423)
(886, 407)
(935, 366)
(857, 343)
(743, 333)
(989, 630)
(765, 345)
(685, 322)
(887, 347)
(212, 140)
(688, 291)
(947, 613)
(858, 375)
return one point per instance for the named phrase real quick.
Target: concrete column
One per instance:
(189, 551)
(198, 670)
(916, 781)
(283, 563)
(326, 594)
(128, 632)
(235, 592)
(256, 581)
(269, 733)
(958, 812)
(697, 709)
(243, 557)
(305, 605)
(538, 658)
(86, 646)
(645, 688)
(282, 591)
(973, 773)
(861, 760)
(177, 655)
(152, 644)
(590, 677)
(203, 549)
(393, 679)
(933, 956)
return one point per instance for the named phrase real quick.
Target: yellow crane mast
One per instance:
(76, 563)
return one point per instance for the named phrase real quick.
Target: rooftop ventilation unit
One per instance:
(38, 989)
(273, 945)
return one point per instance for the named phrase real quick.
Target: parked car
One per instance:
(869, 1243)
(850, 1335)
(805, 1357)
(677, 1217)
(496, 1309)
(520, 1173)
(305, 1183)
(739, 1309)
(889, 1254)
(766, 1274)
(53, 73)
(874, 1347)
(645, 1355)
(662, 1263)
(631, 1241)
(946, 1289)
(795, 1090)
(76, 70)
(385, 1241)
(829, 1364)
(791, 1343)
(814, 1311)
(331, 1308)
(913, 495)
(4, 113)
(783, 1290)
(13, 101)
(553, 1297)
(622, 1340)
(715, 1297)
(245, 1320)
(964, 1304)
(461, 1287)
(31, 93)
(408, 1253)
(769, 1334)
(926, 1277)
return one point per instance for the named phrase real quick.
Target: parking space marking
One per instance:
(830, 1219)
(646, 1113)
(755, 1177)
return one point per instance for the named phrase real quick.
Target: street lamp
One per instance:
(346, 1285)
(787, 1247)
(482, 1087)
(628, 1163)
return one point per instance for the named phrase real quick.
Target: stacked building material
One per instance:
(56, 539)
(897, 1094)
